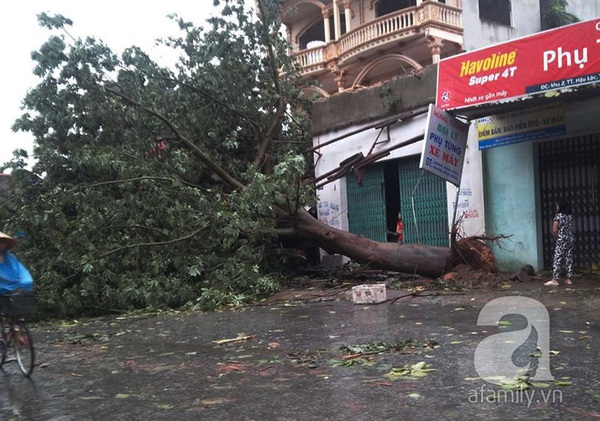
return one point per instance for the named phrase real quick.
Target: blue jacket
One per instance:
(13, 275)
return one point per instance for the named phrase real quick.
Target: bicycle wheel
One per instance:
(23, 345)
(3, 346)
(3, 350)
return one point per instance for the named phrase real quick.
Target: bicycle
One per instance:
(14, 333)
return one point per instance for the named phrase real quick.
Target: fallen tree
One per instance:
(419, 259)
(155, 186)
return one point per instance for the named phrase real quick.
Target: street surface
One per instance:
(412, 359)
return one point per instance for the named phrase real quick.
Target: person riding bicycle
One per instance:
(13, 275)
(17, 302)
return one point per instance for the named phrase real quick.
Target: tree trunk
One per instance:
(424, 260)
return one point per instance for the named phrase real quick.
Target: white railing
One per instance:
(381, 27)
(388, 25)
(308, 58)
(452, 17)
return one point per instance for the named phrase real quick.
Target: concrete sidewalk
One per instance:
(310, 361)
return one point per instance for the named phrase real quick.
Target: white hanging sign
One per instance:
(444, 145)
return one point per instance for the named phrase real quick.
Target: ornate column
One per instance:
(336, 20)
(347, 15)
(435, 44)
(288, 37)
(325, 14)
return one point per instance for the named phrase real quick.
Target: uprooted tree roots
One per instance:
(472, 263)
(475, 253)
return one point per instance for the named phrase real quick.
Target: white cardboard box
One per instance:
(368, 294)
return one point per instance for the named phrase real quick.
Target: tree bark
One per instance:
(424, 260)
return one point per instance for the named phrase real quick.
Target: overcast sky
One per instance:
(119, 23)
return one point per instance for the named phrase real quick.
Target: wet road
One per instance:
(289, 365)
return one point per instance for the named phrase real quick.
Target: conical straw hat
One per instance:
(11, 241)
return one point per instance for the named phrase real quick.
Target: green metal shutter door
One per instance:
(366, 204)
(430, 205)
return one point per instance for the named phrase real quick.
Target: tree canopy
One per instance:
(157, 186)
(554, 14)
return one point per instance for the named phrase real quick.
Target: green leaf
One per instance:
(563, 383)
(540, 384)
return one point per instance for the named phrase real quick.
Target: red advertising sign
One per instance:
(559, 58)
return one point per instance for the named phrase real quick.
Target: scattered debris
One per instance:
(237, 339)
(413, 371)
(466, 277)
(231, 366)
(369, 294)
(526, 274)
(407, 346)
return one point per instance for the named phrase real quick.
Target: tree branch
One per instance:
(254, 124)
(157, 243)
(266, 139)
(131, 180)
(216, 169)
(142, 227)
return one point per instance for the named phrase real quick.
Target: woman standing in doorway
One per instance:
(562, 234)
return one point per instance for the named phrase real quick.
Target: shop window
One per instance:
(495, 11)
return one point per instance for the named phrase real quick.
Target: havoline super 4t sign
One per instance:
(559, 58)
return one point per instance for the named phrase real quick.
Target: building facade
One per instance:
(376, 69)
(353, 44)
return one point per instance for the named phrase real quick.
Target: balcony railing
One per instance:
(388, 27)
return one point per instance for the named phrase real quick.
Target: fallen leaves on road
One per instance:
(409, 371)
(404, 347)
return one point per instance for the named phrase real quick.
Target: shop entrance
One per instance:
(398, 186)
(570, 169)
